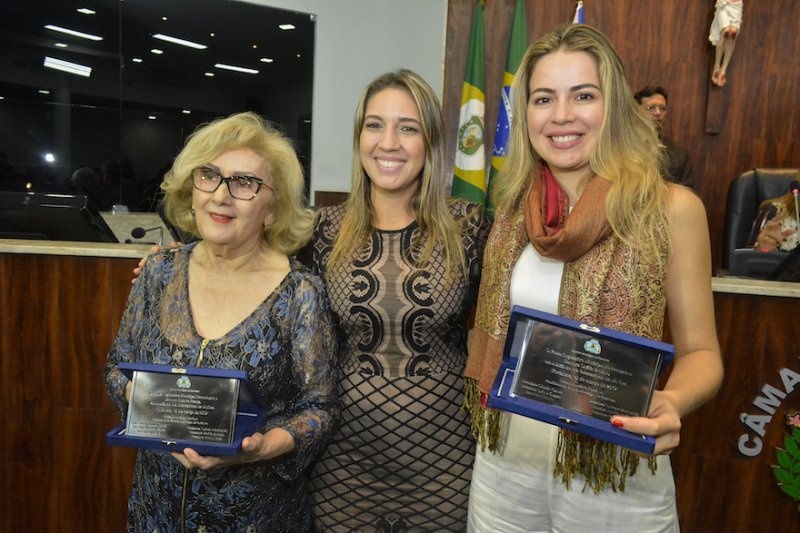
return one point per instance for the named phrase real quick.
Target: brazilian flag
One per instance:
(516, 49)
(469, 181)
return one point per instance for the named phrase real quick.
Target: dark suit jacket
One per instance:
(679, 166)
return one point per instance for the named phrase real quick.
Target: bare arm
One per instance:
(697, 371)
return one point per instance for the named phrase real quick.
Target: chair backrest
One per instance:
(745, 194)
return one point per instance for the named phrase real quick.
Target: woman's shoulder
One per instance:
(686, 208)
(327, 226)
(328, 217)
(471, 216)
(331, 212)
(683, 199)
(168, 259)
(302, 275)
(460, 208)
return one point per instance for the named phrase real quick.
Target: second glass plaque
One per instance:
(578, 376)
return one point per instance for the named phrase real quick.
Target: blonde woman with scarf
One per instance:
(586, 227)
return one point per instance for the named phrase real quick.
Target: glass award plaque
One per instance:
(182, 407)
(578, 376)
(208, 410)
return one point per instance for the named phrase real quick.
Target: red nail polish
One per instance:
(617, 422)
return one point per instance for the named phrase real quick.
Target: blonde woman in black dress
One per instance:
(402, 265)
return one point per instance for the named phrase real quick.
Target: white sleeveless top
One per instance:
(514, 490)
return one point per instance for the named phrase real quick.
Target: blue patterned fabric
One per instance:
(288, 348)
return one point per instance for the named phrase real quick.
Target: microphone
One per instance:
(794, 186)
(138, 232)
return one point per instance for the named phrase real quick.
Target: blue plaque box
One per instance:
(576, 376)
(248, 417)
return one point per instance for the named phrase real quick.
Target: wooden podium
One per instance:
(59, 316)
(723, 472)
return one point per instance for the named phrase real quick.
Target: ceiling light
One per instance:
(298, 55)
(2, 97)
(164, 19)
(137, 59)
(266, 60)
(50, 158)
(67, 66)
(151, 117)
(210, 74)
(286, 26)
(61, 45)
(156, 51)
(85, 11)
(186, 112)
(182, 42)
(236, 69)
(73, 33)
(44, 91)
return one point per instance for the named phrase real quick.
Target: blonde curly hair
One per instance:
(293, 222)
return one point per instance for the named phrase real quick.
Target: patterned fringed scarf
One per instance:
(605, 282)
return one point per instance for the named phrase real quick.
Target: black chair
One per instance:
(745, 194)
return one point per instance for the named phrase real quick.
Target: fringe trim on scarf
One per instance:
(485, 421)
(599, 463)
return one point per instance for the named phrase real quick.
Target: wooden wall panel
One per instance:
(756, 116)
(328, 198)
(59, 317)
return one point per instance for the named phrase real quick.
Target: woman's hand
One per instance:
(662, 422)
(771, 236)
(256, 447)
(154, 250)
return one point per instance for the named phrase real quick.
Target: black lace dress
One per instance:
(401, 456)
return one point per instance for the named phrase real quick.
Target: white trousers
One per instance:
(514, 491)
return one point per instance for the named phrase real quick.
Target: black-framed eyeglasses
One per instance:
(240, 187)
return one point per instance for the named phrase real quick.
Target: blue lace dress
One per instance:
(287, 347)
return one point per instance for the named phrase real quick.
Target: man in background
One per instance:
(679, 166)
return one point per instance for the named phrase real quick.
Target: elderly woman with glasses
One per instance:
(233, 300)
